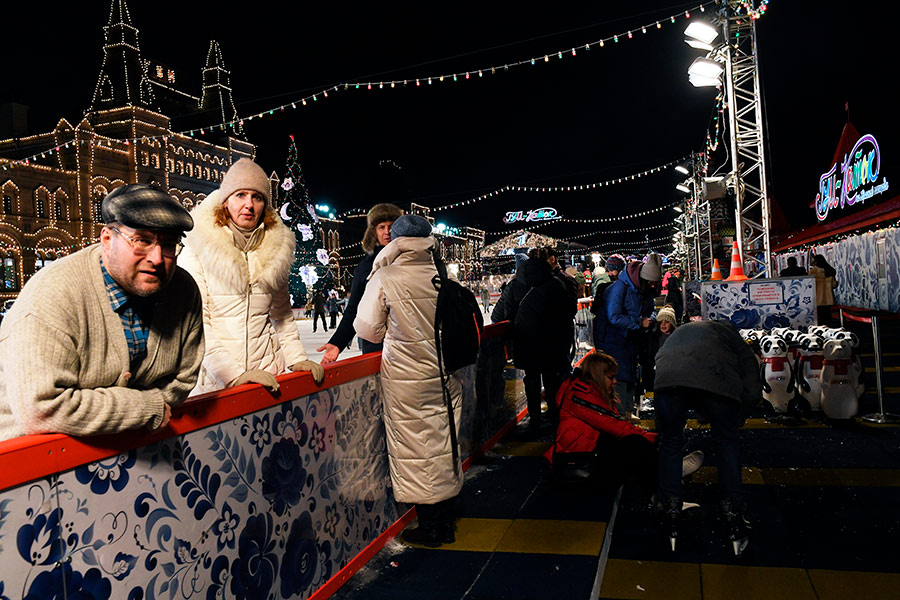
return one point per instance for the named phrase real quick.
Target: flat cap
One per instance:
(143, 206)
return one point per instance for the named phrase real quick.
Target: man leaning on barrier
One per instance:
(109, 338)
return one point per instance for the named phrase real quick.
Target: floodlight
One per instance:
(699, 81)
(703, 32)
(678, 207)
(682, 169)
(704, 67)
(683, 188)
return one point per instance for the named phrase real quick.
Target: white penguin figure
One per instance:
(839, 397)
(807, 368)
(858, 373)
(776, 373)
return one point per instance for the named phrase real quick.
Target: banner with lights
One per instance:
(857, 181)
(538, 214)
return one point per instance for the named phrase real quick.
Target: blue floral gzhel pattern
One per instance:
(730, 300)
(269, 505)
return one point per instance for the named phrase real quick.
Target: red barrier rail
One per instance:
(31, 457)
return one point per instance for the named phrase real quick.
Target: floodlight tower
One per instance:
(737, 19)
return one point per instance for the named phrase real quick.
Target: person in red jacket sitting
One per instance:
(594, 441)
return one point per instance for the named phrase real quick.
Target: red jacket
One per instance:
(585, 415)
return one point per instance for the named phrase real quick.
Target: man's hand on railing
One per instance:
(318, 372)
(167, 414)
(264, 378)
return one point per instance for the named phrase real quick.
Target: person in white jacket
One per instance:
(240, 254)
(398, 307)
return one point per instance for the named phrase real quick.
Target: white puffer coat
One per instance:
(247, 317)
(398, 306)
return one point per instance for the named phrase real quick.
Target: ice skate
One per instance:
(669, 514)
(738, 527)
(691, 462)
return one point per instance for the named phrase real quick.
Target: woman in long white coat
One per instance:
(240, 254)
(398, 307)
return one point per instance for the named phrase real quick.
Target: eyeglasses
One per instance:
(143, 246)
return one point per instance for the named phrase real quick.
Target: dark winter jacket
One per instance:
(508, 304)
(622, 317)
(710, 356)
(568, 281)
(585, 415)
(344, 333)
(319, 303)
(544, 329)
(674, 297)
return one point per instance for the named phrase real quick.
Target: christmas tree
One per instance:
(310, 272)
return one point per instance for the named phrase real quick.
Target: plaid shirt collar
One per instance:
(117, 296)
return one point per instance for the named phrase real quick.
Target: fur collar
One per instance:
(215, 250)
(404, 249)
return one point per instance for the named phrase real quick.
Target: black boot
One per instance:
(738, 526)
(422, 536)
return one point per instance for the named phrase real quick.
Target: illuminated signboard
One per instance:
(538, 214)
(858, 178)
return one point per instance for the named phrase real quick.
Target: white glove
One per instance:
(317, 370)
(264, 378)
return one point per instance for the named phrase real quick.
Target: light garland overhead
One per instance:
(237, 123)
(563, 188)
(636, 215)
(603, 232)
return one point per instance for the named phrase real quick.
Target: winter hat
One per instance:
(410, 226)
(142, 206)
(667, 313)
(652, 268)
(380, 213)
(245, 175)
(521, 259)
(615, 263)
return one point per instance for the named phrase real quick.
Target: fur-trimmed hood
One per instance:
(214, 248)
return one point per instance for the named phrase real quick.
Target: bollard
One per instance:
(880, 417)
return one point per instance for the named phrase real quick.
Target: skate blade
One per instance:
(740, 545)
(672, 542)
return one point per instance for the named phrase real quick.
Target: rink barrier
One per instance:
(137, 511)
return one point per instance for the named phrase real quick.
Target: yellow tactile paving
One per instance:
(478, 535)
(815, 477)
(521, 448)
(840, 585)
(532, 536)
(650, 580)
(763, 424)
(739, 582)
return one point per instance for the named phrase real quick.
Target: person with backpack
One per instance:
(399, 307)
(543, 333)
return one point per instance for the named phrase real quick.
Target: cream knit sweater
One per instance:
(64, 364)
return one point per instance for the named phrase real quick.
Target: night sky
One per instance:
(603, 114)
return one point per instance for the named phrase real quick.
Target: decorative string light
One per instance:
(606, 232)
(237, 122)
(563, 188)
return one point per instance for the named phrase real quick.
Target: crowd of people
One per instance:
(130, 327)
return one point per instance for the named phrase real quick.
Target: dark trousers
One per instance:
(724, 417)
(438, 515)
(334, 320)
(316, 321)
(552, 380)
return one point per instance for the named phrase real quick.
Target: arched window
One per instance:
(96, 215)
(57, 210)
(39, 209)
(7, 204)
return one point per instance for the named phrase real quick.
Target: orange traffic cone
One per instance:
(716, 272)
(737, 270)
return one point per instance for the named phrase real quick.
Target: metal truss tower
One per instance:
(752, 214)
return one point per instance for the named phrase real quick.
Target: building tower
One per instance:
(122, 80)
(217, 89)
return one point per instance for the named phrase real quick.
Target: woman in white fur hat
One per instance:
(240, 254)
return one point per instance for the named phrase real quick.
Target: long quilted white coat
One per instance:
(247, 317)
(398, 306)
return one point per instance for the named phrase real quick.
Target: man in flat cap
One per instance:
(111, 337)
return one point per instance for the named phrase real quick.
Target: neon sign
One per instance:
(538, 214)
(858, 182)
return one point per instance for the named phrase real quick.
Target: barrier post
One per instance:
(880, 417)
